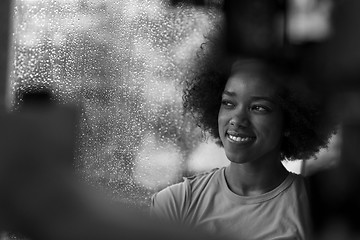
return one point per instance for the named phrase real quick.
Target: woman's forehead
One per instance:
(251, 84)
(248, 65)
(257, 71)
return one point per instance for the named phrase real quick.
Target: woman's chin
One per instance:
(237, 159)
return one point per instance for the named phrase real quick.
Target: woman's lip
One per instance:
(237, 134)
(240, 140)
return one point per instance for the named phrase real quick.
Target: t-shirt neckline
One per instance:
(259, 198)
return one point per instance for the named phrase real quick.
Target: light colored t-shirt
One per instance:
(205, 201)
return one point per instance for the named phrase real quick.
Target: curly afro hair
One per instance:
(307, 122)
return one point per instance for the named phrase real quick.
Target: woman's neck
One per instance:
(249, 179)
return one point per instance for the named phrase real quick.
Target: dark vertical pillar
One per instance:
(5, 20)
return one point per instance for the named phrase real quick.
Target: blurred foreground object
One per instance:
(41, 196)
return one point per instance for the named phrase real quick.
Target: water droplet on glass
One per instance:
(123, 61)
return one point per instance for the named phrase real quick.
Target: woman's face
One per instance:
(250, 119)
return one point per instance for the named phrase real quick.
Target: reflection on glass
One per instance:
(124, 62)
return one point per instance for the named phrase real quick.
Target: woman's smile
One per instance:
(239, 138)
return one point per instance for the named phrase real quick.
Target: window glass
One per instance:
(124, 62)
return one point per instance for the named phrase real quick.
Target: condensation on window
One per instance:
(124, 62)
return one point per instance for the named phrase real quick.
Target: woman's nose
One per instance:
(240, 120)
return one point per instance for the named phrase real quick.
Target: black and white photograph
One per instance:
(179, 119)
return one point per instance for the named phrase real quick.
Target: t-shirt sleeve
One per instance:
(171, 203)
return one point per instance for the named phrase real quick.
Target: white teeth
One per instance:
(239, 139)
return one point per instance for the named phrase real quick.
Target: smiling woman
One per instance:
(250, 118)
(260, 117)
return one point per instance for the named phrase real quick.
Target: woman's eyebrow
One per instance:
(229, 93)
(269, 99)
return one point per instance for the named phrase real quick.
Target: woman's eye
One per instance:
(227, 103)
(259, 108)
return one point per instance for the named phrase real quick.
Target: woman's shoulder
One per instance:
(189, 184)
(172, 202)
(297, 178)
(202, 180)
(297, 184)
